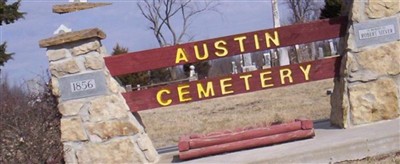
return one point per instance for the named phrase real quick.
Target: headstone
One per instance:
(128, 88)
(247, 61)
(234, 68)
(283, 57)
(249, 68)
(267, 60)
(376, 32)
(320, 52)
(83, 85)
(332, 46)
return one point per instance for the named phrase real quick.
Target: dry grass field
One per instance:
(166, 125)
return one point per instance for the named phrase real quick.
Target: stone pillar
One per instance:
(368, 89)
(96, 124)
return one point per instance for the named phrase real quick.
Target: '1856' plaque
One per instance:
(83, 85)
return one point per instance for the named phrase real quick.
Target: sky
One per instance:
(122, 22)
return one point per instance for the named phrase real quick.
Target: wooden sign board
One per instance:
(226, 46)
(232, 85)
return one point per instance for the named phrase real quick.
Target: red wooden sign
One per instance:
(233, 84)
(226, 46)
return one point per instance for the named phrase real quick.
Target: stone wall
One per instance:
(368, 89)
(96, 126)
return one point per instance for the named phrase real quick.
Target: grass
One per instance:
(166, 125)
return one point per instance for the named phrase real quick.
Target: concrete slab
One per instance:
(329, 145)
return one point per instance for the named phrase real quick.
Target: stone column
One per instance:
(96, 124)
(368, 89)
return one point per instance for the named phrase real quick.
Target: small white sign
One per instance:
(84, 85)
(377, 32)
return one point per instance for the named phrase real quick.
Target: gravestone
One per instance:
(332, 47)
(283, 57)
(234, 68)
(267, 60)
(320, 53)
(248, 64)
(247, 61)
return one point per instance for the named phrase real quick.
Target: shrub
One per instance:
(29, 126)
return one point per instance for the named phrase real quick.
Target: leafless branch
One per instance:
(164, 19)
(301, 10)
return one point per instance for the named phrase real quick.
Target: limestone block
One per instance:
(356, 13)
(86, 47)
(109, 129)
(363, 76)
(382, 8)
(64, 68)
(55, 55)
(340, 101)
(94, 62)
(69, 153)
(351, 64)
(350, 42)
(397, 79)
(70, 108)
(72, 129)
(114, 151)
(147, 147)
(114, 86)
(373, 101)
(108, 107)
(55, 87)
(382, 60)
(103, 51)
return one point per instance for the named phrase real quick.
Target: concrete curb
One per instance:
(329, 145)
(357, 148)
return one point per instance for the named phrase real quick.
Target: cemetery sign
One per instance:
(244, 82)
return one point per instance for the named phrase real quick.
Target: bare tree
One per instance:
(170, 20)
(303, 11)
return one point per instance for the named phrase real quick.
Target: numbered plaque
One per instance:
(376, 32)
(83, 85)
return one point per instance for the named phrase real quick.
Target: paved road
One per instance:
(329, 145)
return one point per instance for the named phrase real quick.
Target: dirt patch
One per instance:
(166, 125)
